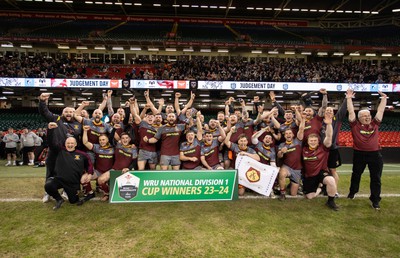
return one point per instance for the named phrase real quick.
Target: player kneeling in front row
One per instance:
(72, 168)
(315, 159)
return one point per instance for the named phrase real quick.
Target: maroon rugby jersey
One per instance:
(170, 136)
(313, 126)
(211, 152)
(239, 130)
(248, 129)
(104, 158)
(146, 130)
(96, 130)
(365, 137)
(267, 153)
(315, 160)
(191, 150)
(292, 158)
(124, 156)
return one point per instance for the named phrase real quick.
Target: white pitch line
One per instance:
(391, 165)
(240, 197)
(299, 196)
(32, 199)
(384, 171)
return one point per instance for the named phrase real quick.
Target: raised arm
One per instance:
(110, 109)
(321, 110)
(103, 104)
(245, 114)
(78, 117)
(256, 135)
(259, 114)
(81, 107)
(222, 134)
(189, 104)
(272, 96)
(228, 126)
(160, 105)
(85, 140)
(127, 109)
(44, 110)
(148, 101)
(302, 125)
(50, 134)
(228, 106)
(176, 103)
(132, 108)
(227, 141)
(329, 130)
(341, 113)
(298, 114)
(349, 99)
(277, 125)
(381, 107)
(199, 127)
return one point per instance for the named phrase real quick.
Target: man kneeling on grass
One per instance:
(73, 167)
(315, 159)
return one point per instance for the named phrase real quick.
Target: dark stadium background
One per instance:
(239, 26)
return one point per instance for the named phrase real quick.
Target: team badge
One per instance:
(253, 175)
(77, 157)
(128, 186)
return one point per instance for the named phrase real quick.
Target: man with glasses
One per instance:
(365, 132)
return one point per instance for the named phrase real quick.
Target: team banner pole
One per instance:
(173, 186)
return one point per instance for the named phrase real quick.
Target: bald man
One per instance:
(67, 126)
(72, 167)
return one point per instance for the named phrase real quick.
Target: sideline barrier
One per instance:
(173, 186)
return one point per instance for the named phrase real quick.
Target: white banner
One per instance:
(294, 86)
(159, 84)
(202, 85)
(60, 83)
(12, 82)
(255, 175)
(86, 83)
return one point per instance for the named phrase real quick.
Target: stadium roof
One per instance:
(344, 10)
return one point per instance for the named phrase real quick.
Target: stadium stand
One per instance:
(203, 69)
(389, 135)
(14, 119)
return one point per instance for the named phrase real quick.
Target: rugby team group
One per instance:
(301, 141)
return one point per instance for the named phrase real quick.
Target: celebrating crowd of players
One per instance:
(303, 144)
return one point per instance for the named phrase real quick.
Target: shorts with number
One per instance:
(150, 156)
(173, 160)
